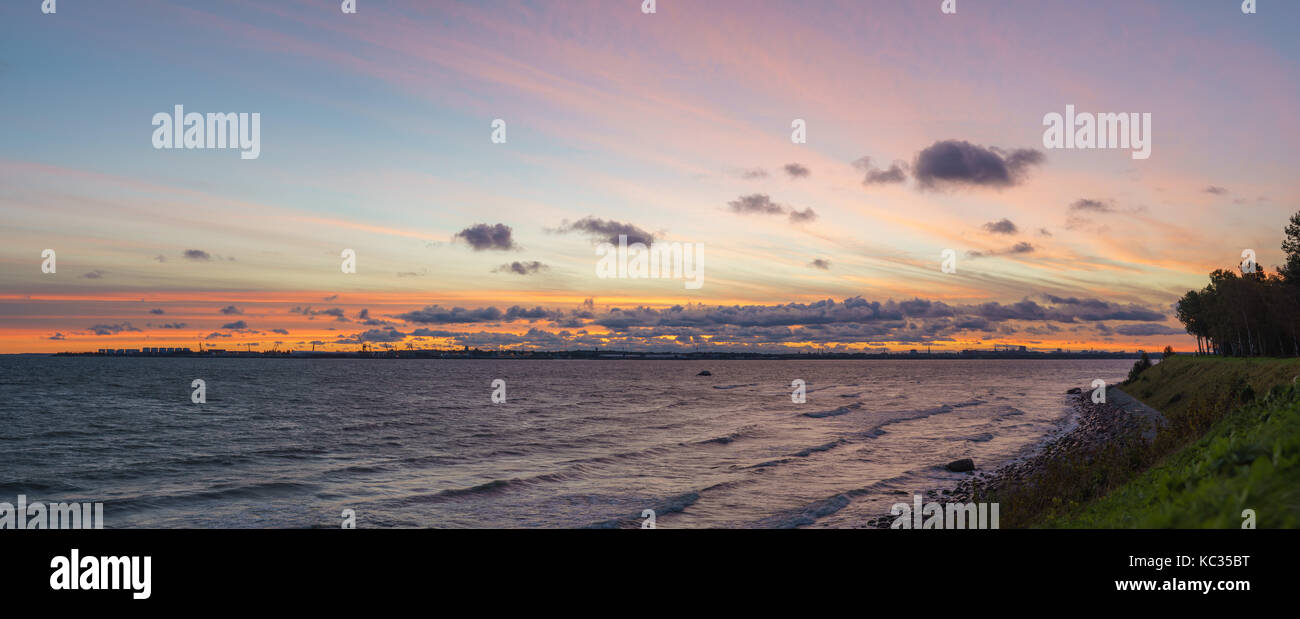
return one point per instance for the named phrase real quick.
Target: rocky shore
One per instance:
(1096, 426)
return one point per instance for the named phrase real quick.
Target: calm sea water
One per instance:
(418, 443)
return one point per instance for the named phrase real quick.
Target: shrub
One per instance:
(1138, 367)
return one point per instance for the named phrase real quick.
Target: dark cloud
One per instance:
(280, 331)
(820, 263)
(1019, 248)
(198, 255)
(521, 268)
(517, 312)
(172, 325)
(857, 312)
(1097, 309)
(954, 163)
(113, 329)
(1079, 209)
(436, 314)
(1093, 206)
(761, 204)
(364, 317)
(848, 311)
(1004, 226)
(238, 325)
(336, 312)
(753, 173)
(756, 203)
(607, 230)
(488, 237)
(796, 170)
(802, 216)
(1148, 329)
(1216, 190)
(56, 336)
(896, 173)
(387, 334)
(157, 311)
(216, 334)
(772, 327)
(231, 310)
(96, 274)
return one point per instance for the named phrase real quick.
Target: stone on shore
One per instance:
(961, 466)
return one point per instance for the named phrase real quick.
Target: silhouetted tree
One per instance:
(1139, 366)
(1250, 314)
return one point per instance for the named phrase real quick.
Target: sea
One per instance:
(415, 443)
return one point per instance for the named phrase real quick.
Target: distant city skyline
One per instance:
(378, 133)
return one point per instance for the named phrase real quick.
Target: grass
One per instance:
(1249, 459)
(1224, 449)
(1184, 386)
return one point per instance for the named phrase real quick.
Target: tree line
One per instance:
(1249, 312)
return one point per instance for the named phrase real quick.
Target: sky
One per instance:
(924, 132)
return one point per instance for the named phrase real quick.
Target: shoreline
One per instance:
(1086, 430)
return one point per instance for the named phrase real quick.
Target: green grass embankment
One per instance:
(1232, 443)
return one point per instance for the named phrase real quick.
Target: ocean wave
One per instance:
(806, 515)
(843, 410)
(743, 432)
(219, 492)
(28, 487)
(623, 456)
(669, 505)
(819, 448)
(821, 508)
(361, 468)
(572, 473)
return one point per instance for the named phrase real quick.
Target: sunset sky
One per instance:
(375, 136)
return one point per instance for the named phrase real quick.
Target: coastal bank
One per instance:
(1191, 442)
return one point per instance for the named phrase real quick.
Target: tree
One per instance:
(1250, 314)
(1291, 245)
(1139, 366)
